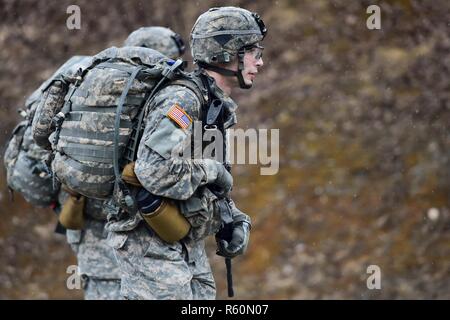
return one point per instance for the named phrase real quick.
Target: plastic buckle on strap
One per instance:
(214, 111)
(169, 72)
(210, 127)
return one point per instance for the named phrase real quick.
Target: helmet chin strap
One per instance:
(230, 73)
(242, 84)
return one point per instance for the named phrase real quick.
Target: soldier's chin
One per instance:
(248, 82)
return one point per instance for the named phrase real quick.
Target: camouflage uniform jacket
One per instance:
(163, 172)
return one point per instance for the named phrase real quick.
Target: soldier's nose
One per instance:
(259, 62)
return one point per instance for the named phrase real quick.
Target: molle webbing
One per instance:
(89, 169)
(131, 100)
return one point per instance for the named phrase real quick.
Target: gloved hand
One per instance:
(239, 241)
(224, 182)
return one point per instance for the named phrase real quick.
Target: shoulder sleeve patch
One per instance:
(179, 116)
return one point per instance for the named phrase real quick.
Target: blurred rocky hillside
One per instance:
(364, 121)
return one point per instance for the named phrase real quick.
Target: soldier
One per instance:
(225, 44)
(96, 262)
(161, 39)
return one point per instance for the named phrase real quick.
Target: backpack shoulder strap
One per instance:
(191, 83)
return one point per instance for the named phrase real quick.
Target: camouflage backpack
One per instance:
(95, 132)
(26, 171)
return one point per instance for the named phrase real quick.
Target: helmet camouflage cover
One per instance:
(220, 33)
(161, 39)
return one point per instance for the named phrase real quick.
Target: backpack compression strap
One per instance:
(123, 96)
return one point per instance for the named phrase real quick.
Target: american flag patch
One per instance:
(177, 114)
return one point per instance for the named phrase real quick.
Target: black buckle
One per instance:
(214, 110)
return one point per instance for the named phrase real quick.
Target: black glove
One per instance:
(223, 184)
(240, 235)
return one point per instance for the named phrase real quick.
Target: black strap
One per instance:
(65, 110)
(213, 113)
(60, 229)
(205, 82)
(229, 277)
(239, 75)
(222, 71)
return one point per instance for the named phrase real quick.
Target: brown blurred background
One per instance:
(364, 145)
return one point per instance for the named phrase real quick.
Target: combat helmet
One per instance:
(161, 39)
(222, 34)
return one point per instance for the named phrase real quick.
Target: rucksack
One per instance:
(96, 130)
(26, 171)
